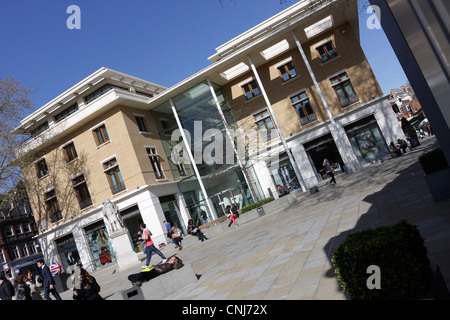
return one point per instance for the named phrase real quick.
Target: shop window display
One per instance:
(101, 248)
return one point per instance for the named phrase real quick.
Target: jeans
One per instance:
(149, 251)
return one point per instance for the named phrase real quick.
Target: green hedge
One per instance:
(433, 161)
(398, 251)
(256, 204)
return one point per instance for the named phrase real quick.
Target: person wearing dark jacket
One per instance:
(23, 291)
(6, 288)
(89, 288)
(48, 281)
(154, 271)
(192, 229)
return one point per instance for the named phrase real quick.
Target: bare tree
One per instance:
(14, 105)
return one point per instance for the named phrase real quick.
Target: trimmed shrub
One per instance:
(433, 161)
(398, 251)
(256, 204)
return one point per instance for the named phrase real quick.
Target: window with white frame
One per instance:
(327, 51)
(265, 124)
(113, 174)
(287, 71)
(8, 231)
(26, 227)
(32, 247)
(52, 205)
(23, 249)
(141, 123)
(250, 89)
(304, 110)
(344, 89)
(2, 256)
(155, 162)
(15, 252)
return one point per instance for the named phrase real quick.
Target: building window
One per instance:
(23, 250)
(38, 130)
(251, 89)
(22, 209)
(155, 161)
(15, 252)
(67, 112)
(17, 229)
(344, 89)
(82, 192)
(287, 71)
(266, 128)
(26, 227)
(142, 124)
(69, 152)
(8, 231)
(101, 135)
(327, 51)
(97, 93)
(32, 247)
(301, 103)
(42, 169)
(52, 206)
(112, 171)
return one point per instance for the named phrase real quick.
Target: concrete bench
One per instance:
(160, 287)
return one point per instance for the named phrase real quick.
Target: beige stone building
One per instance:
(298, 86)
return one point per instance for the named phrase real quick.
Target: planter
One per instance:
(439, 184)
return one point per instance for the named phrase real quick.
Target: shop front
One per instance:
(67, 251)
(322, 148)
(100, 244)
(367, 140)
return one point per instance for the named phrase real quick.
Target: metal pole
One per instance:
(322, 97)
(229, 136)
(191, 157)
(277, 127)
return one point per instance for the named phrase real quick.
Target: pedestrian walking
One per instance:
(177, 237)
(328, 170)
(23, 291)
(232, 214)
(168, 229)
(89, 288)
(150, 248)
(35, 286)
(192, 229)
(47, 281)
(6, 288)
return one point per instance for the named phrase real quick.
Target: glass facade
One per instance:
(211, 149)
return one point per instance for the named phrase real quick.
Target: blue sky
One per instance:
(162, 41)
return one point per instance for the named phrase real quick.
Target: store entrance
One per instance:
(324, 148)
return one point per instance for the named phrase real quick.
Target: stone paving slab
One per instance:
(287, 254)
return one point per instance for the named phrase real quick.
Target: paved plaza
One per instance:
(286, 254)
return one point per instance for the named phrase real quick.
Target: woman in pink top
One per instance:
(150, 249)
